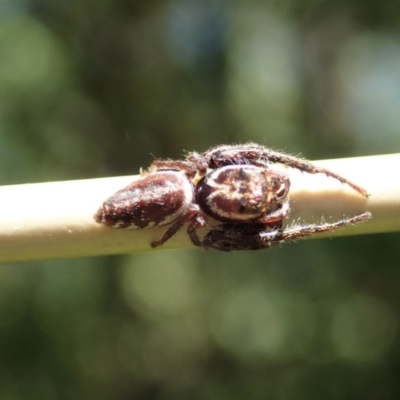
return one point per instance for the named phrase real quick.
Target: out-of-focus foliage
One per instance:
(95, 88)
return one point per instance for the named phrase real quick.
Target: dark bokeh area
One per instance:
(98, 88)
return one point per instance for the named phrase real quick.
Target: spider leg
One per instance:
(300, 231)
(178, 165)
(240, 236)
(251, 153)
(198, 161)
(170, 232)
(192, 215)
(196, 223)
(274, 218)
(228, 237)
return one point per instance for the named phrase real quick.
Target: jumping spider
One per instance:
(236, 185)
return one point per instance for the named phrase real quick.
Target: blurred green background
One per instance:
(98, 88)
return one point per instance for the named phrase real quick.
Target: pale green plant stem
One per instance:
(55, 220)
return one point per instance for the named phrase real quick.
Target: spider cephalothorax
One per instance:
(235, 185)
(242, 193)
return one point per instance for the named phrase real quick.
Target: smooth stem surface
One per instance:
(55, 220)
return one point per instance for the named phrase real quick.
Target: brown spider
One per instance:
(236, 185)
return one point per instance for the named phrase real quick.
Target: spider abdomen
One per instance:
(155, 200)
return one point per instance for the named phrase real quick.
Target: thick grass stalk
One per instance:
(55, 220)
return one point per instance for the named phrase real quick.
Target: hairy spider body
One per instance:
(236, 185)
(141, 204)
(160, 198)
(243, 193)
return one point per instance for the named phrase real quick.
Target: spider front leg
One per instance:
(261, 156)
(228, 237)
(177, 165)
(275, 218)
(240, 236)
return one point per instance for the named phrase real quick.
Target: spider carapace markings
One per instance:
(236, 185)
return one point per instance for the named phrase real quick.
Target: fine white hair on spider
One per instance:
(236, 185)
